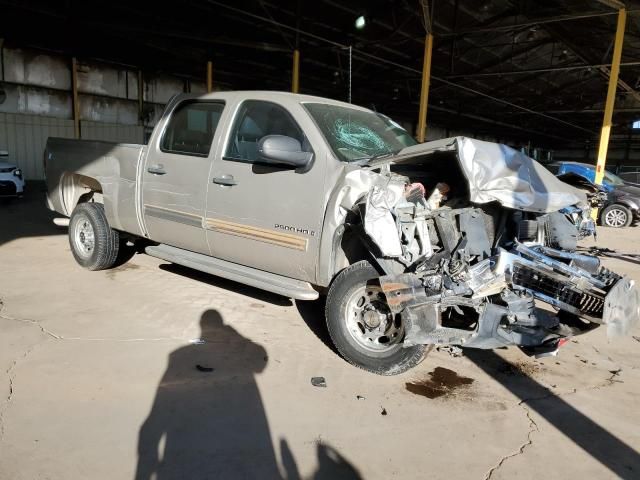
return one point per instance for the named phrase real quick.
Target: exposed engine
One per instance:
(488, 276)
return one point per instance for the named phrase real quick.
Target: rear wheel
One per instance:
(363, 329)
(93, 243)
(616, 216)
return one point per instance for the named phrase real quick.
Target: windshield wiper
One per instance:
(383, 155)
(375, 157)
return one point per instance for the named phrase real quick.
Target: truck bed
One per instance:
(73, 167)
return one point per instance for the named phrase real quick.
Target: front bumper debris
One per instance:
(585, 294)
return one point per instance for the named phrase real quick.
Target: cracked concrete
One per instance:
(533, 427)
(87, 359)
(8, 360)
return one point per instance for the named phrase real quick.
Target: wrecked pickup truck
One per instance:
(453, 242)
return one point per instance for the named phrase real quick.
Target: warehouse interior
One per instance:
(155, 369)
(527, 73)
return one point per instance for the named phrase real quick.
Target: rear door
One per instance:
(176, 172)
(264, 216)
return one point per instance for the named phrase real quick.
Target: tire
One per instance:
(93, 243)
(345, 322)
(616, 216)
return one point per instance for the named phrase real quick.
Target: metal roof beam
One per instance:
(617, 4)
(538, 70)
(605, 72)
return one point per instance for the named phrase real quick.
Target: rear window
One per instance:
(191, 128)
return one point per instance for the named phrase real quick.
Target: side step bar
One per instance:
(271, 282)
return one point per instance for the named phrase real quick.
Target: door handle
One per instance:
(156, 169)
(225, 180)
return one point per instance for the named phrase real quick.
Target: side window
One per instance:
(256, 119)
(191, 128)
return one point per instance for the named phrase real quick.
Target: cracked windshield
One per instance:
(358, 135)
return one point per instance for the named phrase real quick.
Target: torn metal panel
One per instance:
(379, 222)
(404, 290)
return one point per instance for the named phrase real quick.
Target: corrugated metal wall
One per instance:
(25, 136)
(36, 103)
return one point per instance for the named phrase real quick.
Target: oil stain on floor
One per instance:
(442, 381)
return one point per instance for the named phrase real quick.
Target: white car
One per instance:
(11, 178)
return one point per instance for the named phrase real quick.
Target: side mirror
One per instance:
(283, 150)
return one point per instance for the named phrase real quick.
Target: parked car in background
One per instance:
(597, 195)
(623, 205)
(11, 178)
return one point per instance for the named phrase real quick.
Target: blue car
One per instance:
(623, 204)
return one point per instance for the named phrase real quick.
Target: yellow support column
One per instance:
(424, 90)
(295, 73)
(603, 147)
(209, 76)
(74, 98)
(611, 96)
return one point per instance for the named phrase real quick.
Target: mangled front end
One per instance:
(502, 269)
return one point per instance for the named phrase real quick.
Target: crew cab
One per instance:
(448, 242)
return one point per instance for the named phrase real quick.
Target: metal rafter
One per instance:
(556, 32)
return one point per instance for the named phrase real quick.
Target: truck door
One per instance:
(176, 172)
(260, 215)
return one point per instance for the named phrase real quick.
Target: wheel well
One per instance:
(77, 189)
(616, 204)
(353, 248)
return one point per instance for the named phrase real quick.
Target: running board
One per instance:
(271, 282)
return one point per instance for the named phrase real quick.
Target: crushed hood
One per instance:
(496, 172)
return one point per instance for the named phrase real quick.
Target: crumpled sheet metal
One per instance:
(355, 184)
(621, 308)
(496, 172)
(379, 223)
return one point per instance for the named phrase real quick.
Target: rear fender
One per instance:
(75, 188)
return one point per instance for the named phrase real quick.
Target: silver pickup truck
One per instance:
(453, 242)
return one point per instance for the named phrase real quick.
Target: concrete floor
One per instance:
(99, 380)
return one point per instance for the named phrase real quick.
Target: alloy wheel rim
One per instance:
(616, 218)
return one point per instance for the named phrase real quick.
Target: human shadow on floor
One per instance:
(208, 421)
(331, 465)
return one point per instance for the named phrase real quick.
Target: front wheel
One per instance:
(362, 327)
(616, 216)
(93, 242)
